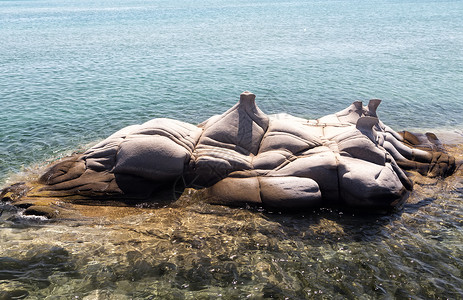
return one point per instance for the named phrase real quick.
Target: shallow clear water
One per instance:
(73, 72)
(193, 250)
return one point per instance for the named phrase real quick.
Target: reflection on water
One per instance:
(198, 251)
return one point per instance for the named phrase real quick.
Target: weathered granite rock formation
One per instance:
(349, 158)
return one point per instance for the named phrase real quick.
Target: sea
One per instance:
(73, 72)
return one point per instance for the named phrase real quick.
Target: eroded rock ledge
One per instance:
(346, 159)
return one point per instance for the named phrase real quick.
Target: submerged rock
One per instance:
(346, 159)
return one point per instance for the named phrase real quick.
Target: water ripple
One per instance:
(73, 73)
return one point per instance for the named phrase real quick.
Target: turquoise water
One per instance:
(73, 72)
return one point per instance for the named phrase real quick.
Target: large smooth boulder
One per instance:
(347, 159)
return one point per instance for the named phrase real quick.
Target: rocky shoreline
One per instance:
(349, 159)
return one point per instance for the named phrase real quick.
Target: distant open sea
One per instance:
(73, 72)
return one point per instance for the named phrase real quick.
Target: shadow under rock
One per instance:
(411, 208)
(334, 225)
